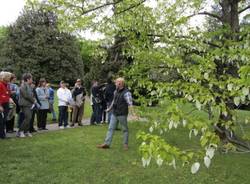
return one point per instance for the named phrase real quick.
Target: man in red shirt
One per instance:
(4, 100)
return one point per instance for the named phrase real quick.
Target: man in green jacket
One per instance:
(26, 103)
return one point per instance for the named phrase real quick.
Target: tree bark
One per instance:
(230, 15)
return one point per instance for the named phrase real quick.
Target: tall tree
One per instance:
(212, 69)
(35, 44)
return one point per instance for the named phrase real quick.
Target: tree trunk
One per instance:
(230, 16)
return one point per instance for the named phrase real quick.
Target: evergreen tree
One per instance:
(34, 44)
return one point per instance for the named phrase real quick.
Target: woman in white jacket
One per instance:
(64, 99)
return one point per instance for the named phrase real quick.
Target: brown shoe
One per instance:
(125, 147)
(103, 146)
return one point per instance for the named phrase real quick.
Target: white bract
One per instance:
(159, 160)
(237, 101)
(173, 163)
(230, 87)
(171, 123)
(175, 124)
(190, 134)
(207, 161)
(195, 132)
(206, 76)
(184, 122)
(151, 129)
(210, 152)
(195, 167)
(146, 162)
(198, 104)
(245, 91)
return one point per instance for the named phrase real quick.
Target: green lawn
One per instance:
(70, 156)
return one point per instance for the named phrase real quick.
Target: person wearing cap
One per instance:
(120, 106)
(43, 96)
(64, 99)
(78, 95)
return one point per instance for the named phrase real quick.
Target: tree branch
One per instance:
(102, 6)
(207, 13)
(131, 7)
(244, 9)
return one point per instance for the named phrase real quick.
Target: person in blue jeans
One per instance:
(120, 106)
(109, 95)
(51, 101)
(96, 100)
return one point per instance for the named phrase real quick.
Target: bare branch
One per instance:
(244, 9)
(207, 13)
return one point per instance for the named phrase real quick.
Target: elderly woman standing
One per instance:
(43, 96)
(13, 109)
(4, 101)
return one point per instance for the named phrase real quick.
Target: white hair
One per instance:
(4, 76)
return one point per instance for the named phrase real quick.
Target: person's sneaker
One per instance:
(45, 129)
(61, 127)
(28, 134)
(125, 147)
(67, 126)
(103, 146)
(80, 124)
(21, 134)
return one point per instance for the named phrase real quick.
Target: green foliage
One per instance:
(179, 65)
(34, 44)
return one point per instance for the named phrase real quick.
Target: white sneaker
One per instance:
(21, 134)
(29, 134)
(61, 127)
(67, 126)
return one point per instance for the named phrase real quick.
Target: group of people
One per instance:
(28, 100)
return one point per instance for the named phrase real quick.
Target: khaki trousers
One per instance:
(77, 114)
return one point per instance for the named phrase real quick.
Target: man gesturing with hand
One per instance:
(120, 107)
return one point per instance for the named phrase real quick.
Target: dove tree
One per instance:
(179, 64)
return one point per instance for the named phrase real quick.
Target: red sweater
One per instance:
(4, 93)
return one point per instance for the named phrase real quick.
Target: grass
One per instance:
(70, 156)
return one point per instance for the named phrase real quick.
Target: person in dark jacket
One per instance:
(34, 109)
(109, 95)
(78, 95)
(96, 116)
(26, 103)
(120, 106)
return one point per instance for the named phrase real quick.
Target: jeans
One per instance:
(96, 114)
(51, 108)
(112, 126)
(63, 115)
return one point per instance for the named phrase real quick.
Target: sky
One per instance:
(10, 10)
